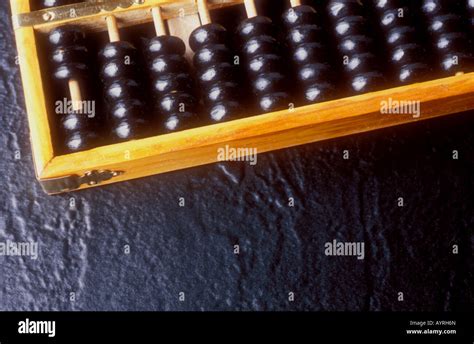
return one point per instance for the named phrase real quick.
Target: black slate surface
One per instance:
(190, 249)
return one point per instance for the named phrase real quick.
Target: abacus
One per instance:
(151, 86)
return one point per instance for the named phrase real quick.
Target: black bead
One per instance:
(367, 82)
(354, 40)
(355, 45)
(268, 83)
(351, 26)
(179, 121)
(267, 63)
(215, 74)
(206, 35)
(412, 73)
(79, 132)
(118, 69)
(225, 111)
(309, 53)
(126, 108)
(165, 45)
(220, 92)
(121, 50)
(70, 70)
(319, 92)
(169, 64)
(212, 55)
(344, 8)
(261, 45)
(216, 71)
(177, 102)
(169, 83)
(122, 89)
(314, 73)
(255, 27)
(304, 34)
(274, 102)
(70, 54)
(66, 36)
(300, 15)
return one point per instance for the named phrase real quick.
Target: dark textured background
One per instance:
(190, 249)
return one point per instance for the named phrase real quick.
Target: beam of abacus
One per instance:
(309, 53)
(70, 57)
(263, 55)
(173, 85)
(124, 94)
(351, 32)
(215, 68)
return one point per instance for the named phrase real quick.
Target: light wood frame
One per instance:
(199, 146)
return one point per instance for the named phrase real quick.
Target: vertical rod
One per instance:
(204, 12)
(250, 8)
(160, 26)
(112, 28)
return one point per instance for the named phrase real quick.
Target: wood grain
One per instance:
(200, 146)
(40, 133)
(137, 14)
(269, 131)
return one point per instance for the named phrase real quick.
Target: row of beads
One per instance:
(264, 59)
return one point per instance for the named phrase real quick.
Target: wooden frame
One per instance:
(199, 146)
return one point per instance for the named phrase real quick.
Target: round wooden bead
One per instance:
(169, 64)
(262, 45)
(313, 73)
(70, 70)
(224, 111)
(215, 74)
(318, 92)
(212, 55)
(412, 72)
(177, 102)
(351, 26)
(80, 141)
(120, 50)
(74, 53)
(267, 63)
(117, 69)
(126, 108)
(165, 45)
(221, 91)
(207, 34)
(179, 121)
(360, 63)
(355, 45)
(274, 101)
(255, 27)
(367, 82)
(344, 8)
(122, 89)
(300, 15)
(268, 83)
(309, 53)
(169, 83)
(304, 34)
(66, 36)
